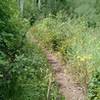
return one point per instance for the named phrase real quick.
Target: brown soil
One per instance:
(67, 86)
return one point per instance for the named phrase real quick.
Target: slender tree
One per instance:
(39, 4)
(21, 6)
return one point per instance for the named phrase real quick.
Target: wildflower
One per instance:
(84, 58)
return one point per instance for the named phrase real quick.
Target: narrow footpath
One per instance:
(66, 85)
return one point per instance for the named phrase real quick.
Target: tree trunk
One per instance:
(21, 4)
(39, 4)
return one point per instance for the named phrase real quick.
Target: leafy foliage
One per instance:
(24, 71)
(11, 41)
(94, 87)
(69, 27)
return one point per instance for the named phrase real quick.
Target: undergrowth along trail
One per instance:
(67, 86)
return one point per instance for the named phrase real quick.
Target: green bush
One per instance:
(12, 36)
(24, 71)
(32, 73)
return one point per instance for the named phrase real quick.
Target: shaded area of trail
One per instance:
(66, 85)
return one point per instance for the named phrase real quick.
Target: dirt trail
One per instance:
(67, 86)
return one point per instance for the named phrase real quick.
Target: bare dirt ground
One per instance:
(67, 86)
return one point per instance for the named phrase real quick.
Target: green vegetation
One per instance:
(24, 71)
(79, 46)
(68, 27)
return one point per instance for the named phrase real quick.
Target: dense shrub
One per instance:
(12, 36)
(24, 71)
(32, 74)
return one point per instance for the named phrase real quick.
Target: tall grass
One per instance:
(78, 44)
